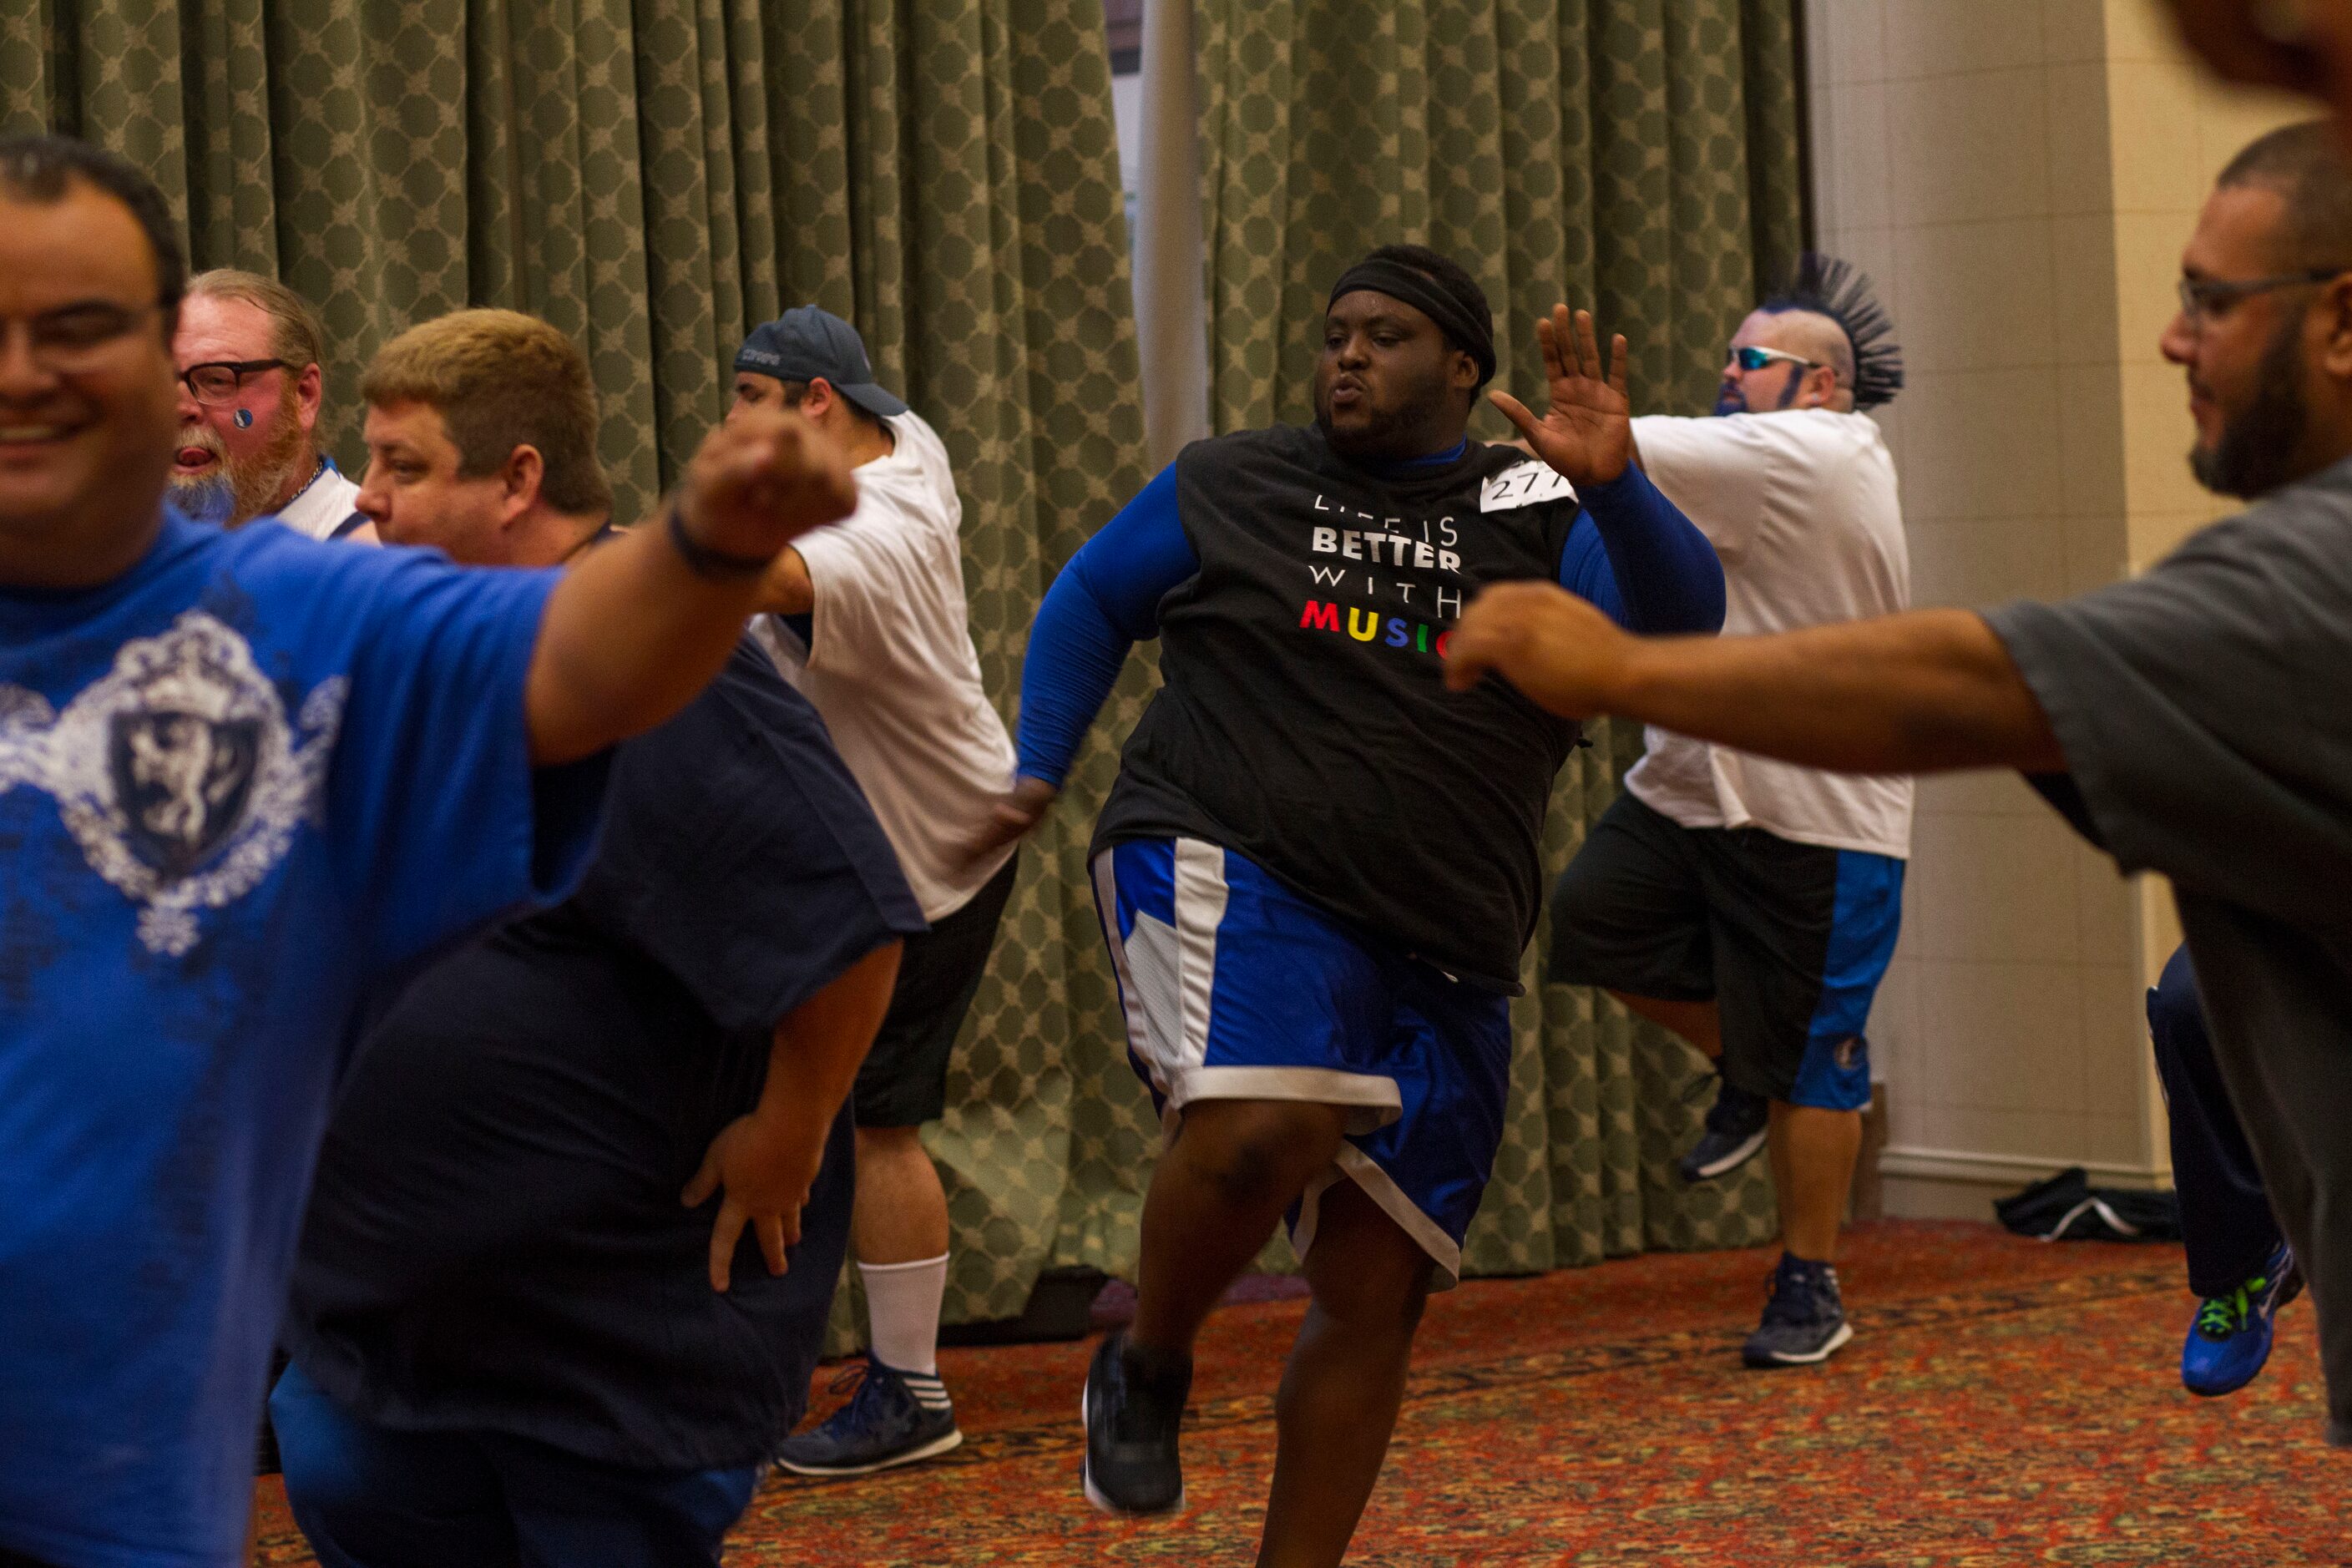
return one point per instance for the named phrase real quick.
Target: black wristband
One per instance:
(716, 564)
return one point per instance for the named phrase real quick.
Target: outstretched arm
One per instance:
(1654, 570)
(639, 627)
(1922, 692)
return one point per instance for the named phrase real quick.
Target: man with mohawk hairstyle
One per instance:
(1747, 905)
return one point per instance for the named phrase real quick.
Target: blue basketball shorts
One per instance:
(1236, 988)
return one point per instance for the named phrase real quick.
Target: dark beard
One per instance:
(2256, 452)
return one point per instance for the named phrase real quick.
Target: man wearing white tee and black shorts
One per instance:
(1748, 905)
(869, 620)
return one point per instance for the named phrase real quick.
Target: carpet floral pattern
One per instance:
(2002, 1403)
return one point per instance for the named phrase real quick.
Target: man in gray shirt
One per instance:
(2198, 718)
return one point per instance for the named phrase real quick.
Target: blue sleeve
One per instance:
(442, 823)
(1634, 553)
(1104, 602)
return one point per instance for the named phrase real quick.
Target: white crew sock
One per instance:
(902, 1308)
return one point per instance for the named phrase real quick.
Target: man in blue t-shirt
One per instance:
(246, 781)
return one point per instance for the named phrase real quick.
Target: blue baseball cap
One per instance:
(806, 343)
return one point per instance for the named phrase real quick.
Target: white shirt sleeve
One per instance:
(1718, 470)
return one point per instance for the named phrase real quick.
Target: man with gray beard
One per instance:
(251, 388)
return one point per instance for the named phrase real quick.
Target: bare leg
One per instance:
(1814, 1154)
(1345, 1379)
(901, 1214)
(1697, 1021)
(1216, 1196)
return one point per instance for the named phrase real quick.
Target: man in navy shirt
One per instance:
(509, 1335)
(1317, 872)
(245, 779)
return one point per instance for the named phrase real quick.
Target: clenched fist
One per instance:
(762, 480)
(1560, 652)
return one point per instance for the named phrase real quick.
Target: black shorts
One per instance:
(903, 1079)
(1788, 940)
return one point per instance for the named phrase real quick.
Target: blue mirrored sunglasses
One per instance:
(1752, 358)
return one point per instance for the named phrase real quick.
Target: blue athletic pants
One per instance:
(2225, 1213)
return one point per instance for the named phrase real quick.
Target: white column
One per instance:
(1171, 318)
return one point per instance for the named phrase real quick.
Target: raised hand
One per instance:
(1587, 434)
(1557, 649)
(759, 481)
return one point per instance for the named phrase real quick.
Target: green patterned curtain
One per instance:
(1638, 157)
(653, 178)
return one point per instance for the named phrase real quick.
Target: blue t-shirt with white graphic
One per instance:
(243, 787)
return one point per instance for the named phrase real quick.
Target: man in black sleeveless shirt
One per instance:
(1317, 871)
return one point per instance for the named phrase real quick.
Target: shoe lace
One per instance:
(2222, 1316)
(853, 1379)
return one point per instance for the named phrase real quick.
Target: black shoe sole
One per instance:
(1773, 1359)
(932, 1450)
(1724, 1165)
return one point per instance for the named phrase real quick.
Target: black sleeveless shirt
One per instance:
(1303, 719)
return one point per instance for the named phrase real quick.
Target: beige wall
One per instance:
(2019, 175)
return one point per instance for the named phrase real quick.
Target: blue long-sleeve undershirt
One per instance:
(1631, 551)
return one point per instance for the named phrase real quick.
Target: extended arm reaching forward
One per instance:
(1922, 692)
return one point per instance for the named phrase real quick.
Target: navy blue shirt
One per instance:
(496, 1241)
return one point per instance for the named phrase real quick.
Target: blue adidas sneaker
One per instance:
(2230, 1338)
(894, 1418)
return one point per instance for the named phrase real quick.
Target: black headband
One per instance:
(1468, 330)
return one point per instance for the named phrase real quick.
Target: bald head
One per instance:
(2305, 166)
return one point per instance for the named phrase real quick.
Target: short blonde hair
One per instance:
(295, 335)
(500, 380)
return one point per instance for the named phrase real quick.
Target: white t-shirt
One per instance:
(894, 672)
(324, 505)
(1802, 507)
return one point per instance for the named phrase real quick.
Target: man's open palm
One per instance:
(1587, 434)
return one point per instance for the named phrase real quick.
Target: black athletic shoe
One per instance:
(1804, 1320)
(894, 1418)
(1736, 1125)
(1131, 1419)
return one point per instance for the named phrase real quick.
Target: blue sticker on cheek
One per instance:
(244, 418)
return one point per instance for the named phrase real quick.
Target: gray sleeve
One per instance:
(2202, 712)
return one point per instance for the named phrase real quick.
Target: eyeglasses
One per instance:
(1752, 358)
(216, 381)
(2203, 298)
(76, 337)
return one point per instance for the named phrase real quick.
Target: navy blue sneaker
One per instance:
(894, 1418)
(2230, 1339)
(1804, 1318)
(1132, 1415)
(1736, 1125)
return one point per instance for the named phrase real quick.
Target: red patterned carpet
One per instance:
(2002, 1403)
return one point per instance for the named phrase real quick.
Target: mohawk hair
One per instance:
(1833, 287)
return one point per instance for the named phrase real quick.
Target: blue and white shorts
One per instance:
(1236, 988)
